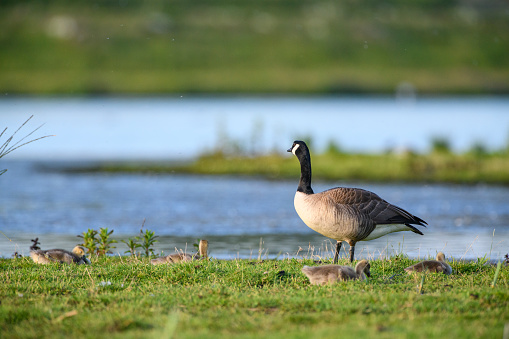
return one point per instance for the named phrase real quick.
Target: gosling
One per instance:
(184, 257)
(77, 256)
(321, 275)
(436, 266)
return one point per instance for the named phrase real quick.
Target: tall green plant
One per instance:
(7, 147)
(132, 244)
(147, 241)
(89, 240)
(104, 242)
(98, 242)
(196, 244)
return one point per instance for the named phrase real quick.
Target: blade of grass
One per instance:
(499, 265)
(421, 285)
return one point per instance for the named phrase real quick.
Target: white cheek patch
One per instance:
(294, 149)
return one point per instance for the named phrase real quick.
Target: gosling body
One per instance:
(76, 256)
(183, 257)
(346, 214)
(330, 274)
(437, 266)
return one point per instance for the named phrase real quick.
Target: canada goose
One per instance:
(346, 214)
(321, 275)
(77, 256)
(438, 266)
(183, 257)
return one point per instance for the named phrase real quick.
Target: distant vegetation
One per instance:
(440, 164)
(265, 46)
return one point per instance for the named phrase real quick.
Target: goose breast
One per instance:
(339, 213)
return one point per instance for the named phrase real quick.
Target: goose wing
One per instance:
(377, 209)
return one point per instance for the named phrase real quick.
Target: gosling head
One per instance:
(79, 251)
(441, 256)
(363, 266)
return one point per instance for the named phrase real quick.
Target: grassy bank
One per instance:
(126, 297)
(410, 167)
(147, 47)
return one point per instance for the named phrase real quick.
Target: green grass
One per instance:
(433, 167)
(126, 297)
(294, 46)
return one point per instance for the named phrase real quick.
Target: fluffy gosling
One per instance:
(437, 266)
(321, 275)
(77, 256)
(184, 257)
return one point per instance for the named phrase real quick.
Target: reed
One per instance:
(10, 144)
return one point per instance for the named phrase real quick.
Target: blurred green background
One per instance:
(264, 46)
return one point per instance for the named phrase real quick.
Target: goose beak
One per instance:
(293, 148)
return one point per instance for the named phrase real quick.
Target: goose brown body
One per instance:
(346, 214)
(184, 257)
(321, 275)
(437, 266)
(77, 256)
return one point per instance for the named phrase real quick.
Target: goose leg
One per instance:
(336, 254)
(352, 250)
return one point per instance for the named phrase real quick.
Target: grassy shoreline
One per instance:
(405, 168)
(126, 297)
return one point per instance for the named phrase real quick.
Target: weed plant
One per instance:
(89, 241)
(148, 238)
(132, 245)
(104, 243)
(98, 242)
(35, 244)
(145, 241)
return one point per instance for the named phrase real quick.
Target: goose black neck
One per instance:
(305, 173)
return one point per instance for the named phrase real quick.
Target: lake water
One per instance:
(240, 217)
(161, 128)
(234, 214)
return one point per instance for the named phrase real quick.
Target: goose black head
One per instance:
(298, 146)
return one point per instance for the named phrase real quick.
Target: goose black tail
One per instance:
(413, 229)
(400, 219)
